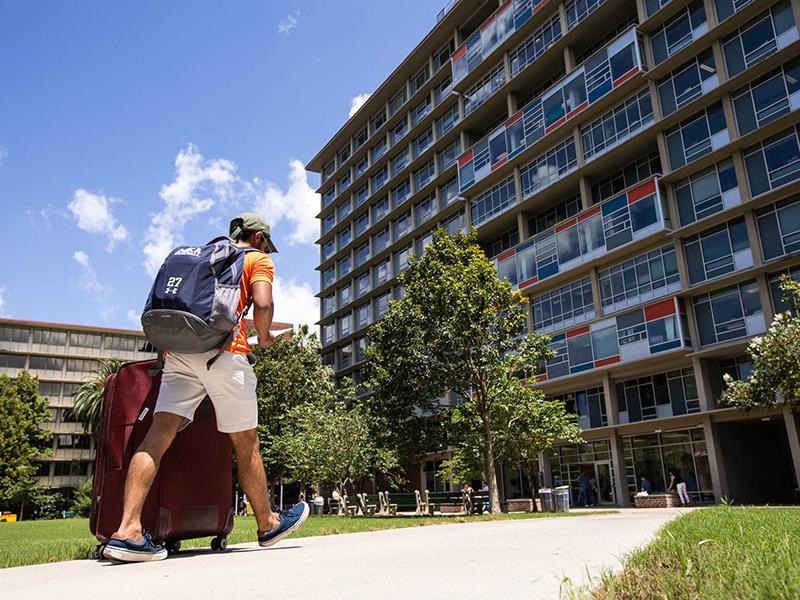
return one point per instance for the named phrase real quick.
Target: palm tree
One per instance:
(89, 395)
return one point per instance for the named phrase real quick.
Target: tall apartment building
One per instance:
(633, 167)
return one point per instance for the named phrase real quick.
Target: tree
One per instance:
(22, 440)
(458, 328)
(776, 361)
(89, 395)
(82, 501)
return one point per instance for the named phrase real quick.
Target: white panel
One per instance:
(663, 410)
(603, 324)
(755, 324)
(564, 267)
(483, 171)
(731, 198)
(794, 100)
(710, 83)
(700, 31)
(743, 259)
(621, 42)
(623, 416)
(787, 37)
(718, 140)
(634, 351)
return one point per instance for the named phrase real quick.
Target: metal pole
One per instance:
(281, 502)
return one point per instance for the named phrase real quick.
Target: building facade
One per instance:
(633, 167)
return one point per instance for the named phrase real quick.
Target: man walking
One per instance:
(231, 386)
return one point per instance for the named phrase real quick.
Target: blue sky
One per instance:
(128, 128)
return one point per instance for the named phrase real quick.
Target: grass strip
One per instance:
(715, 553)
(36, 542)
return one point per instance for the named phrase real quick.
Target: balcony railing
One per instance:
(630, 336)
(594, 79)
(630, 216)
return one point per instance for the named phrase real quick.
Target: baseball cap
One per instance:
(251, 222)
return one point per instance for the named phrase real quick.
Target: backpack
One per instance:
(193, 306)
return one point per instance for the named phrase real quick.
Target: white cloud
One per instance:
(286, 25)
(298, 205)
(134, 317)
(3, 303)
(197, 186)
(295, 302)
(357, 102)
(3, 154)
(93, 213)
(98, 292)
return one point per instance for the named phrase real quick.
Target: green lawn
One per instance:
(714, 554)
(34, 542)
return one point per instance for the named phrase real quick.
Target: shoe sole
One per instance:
(122, 555)
(288, 532)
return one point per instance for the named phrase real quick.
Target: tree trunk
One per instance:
(488, 459)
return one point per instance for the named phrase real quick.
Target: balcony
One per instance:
(598, 231)
(634, 335)
(594, 79)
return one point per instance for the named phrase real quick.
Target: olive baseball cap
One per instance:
(251, 222)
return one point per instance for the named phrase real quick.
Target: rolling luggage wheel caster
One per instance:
(173, 547)
(219, 543)
(97, 552)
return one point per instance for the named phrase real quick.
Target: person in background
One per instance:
(677, 483)
(645, 484)
(319, 502)
(469, 498)
(585, 495)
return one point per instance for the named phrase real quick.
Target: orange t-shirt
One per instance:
(257, 267)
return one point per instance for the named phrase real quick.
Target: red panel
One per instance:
(514, 119)
(637, 193)
(499, 164)
(662, 309)
(539, 7)
(607, 361)
(459, 53)
(556, 125)
(542, 377)
(566, 225)
(627, 76)
(528, 282)
(465, 158)
(589, 213)
(577, 109)
(506, 255)
(579, 331)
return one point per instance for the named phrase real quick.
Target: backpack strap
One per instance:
(231, 335)
(159, 366)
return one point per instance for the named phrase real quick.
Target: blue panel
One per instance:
(599, 92)
(522, 17)
(558, 338)
(615, 204)
(582, 368)
(665, 346)
(525, 246)
(548, 271)
(517, 151)
(475, 39)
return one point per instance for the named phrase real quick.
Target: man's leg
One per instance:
(253, 479)
(142, 471)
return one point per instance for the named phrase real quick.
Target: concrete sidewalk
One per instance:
(523, 559)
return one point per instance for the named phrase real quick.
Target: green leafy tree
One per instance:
(89, 395)
(776, 361)
(458, 328)
(22, 440)
(82, 501)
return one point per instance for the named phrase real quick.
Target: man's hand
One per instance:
(266, 341)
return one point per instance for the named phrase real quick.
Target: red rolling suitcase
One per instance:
(192, 495)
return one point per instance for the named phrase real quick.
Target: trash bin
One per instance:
(561, 498)
(546, 496)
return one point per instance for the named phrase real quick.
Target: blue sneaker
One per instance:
(290, 521)
(130, 551)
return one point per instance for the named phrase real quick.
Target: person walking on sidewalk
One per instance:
(677, 483)
(230, 383)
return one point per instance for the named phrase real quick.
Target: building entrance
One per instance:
(592, 459)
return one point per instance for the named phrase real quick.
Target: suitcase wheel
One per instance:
(97, 552)
(219, 543)
(173, 547)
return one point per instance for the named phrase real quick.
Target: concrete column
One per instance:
(766, 299)
(661, 140)
(465, 141)
(705, 388)
(610, 399)
(576, 134)
(658, 113)
(753, 237)
(598, 307)
(711, 15)
(792, 428)
(680, 257)
(641, 13)
(586, 192)
(518, 190)
(719, 60)
(716, 461)
(741, 176)
(522, 225)
(562, 16)
(694, 334)
(569, 58)
(730, 117)
(544, 465)
(511, 104)
(620, 473)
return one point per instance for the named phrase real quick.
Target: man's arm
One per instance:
(263, 309)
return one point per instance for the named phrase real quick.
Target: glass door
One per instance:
(604, 476)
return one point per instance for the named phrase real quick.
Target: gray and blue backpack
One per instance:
(194, 304)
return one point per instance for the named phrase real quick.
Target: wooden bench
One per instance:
(444, 502)
(372, 504)
(395, 502)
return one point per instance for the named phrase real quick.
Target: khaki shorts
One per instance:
(230, 383)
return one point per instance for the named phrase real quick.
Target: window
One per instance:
(328, 223)
(424, 175)
(548, 168)
(362, 253)
(362, 165)
(343, 182)
(362, 284)
(578, 10)
(328, 305)
(360, 139)
(639, 279)
(378, 150)
(722, 315)
(679, 31)
(661, 395)
(501, 243)
(738, 367)
(377, 121)
(715, 252)
(449, 156)
(563, 307)
(77, 365)
(775, 291)
(19, 335)
(381, 304)
(380, 240)
(726, 8)
(442, 57)
(399, 161)
(773, 163)
(401, 226)
(617, 125)
(328, 334)
(555, 214)
(758, 39)
(779, 228)
(448, 193)
(127, 344)
(328, 196)
(76, 442)
(401, 259)
(422, 142)
(421, 111)
(328, 249)
(381, 273)
(535, 45)
(328, 170)
(85, 340)
(626, 177)
(345, 266)
(361, 195)
(362, 224)
(344, 326)
(46, 363)
(767, 98)
(419, 79)
(71, 469)
(41, 336)
(447, 121)
(343, 210)
(380, 209)
(49, 388)
(328, 277)
(379, 179)
(687, 82)
(442, 91)
(401, 192)
(397, 102)
(361, 349)
(425, 209)
(344, 237)
(493, 201)
(695, 137)
(343, 155)
(363, 316)
(705, 193)
(398, 132)
(482, 90)
(454, 223)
